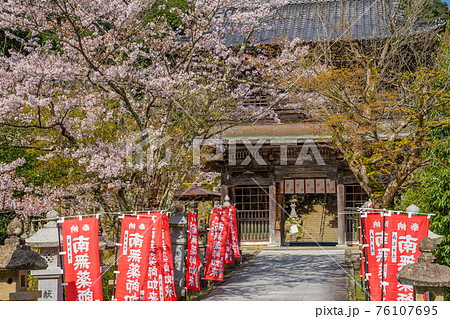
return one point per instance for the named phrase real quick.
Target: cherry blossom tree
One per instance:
(116, 94)
(28, 203)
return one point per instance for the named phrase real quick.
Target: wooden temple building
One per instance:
(268, 166)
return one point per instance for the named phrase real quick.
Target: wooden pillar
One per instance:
(341, 216)
(223, 192)
(279, 217)
(273, 216)
(223, 183)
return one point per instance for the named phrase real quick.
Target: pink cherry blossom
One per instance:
(93, 76)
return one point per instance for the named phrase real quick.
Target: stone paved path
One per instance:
(287, 274)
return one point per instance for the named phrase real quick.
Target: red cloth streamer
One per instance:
(155, 288)
(374, 236)
(402, 236)
(133, 258)
(228, 249)
(168, 275)
(405, 234)
(193, 260)
(234, 232)
(82, 260)
(217, 242)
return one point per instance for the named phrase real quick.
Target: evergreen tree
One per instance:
(434, 10)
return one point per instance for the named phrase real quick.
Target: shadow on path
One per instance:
(297, 274)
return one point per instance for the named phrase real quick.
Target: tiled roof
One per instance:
(319, 20)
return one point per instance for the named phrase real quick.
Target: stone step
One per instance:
(312, 224)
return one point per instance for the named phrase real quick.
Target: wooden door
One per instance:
(252, 205)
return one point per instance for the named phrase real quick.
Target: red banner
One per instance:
(405, 232)
(234, 232)
(364, 246)
(193, 260)
(390, 250)
(81, 259)
(217, 242)
(155, 287)
(168, 275)
(133, 258)
(228, 249)
(374, 235)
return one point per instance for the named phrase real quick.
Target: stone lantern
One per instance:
(15, 261)
(226, 201)
(178, 225)
(413, 209)
(104, 244)
(293, 205)
(46, 239)
(427, 278)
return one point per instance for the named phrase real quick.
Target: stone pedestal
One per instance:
(50, 279)
(422, 293)
(178, 225)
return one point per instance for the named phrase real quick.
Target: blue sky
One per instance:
(448, 1)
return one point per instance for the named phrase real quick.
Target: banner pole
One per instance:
(119, 223)
(61, 261)
(382, 258)
(364, 255)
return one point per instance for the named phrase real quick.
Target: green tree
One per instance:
(434, 10)
(432, 191)
(379, 99)
(425, 10)
(167, 9)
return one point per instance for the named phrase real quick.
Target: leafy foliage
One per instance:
(167, 9)
(35, 171)
(425, 10)
(382, 134)
(434, 10)
(5, 219)
(380, 100)
(432, 191)
(107, 288)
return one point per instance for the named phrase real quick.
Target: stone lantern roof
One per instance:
(105, 243)
(14, 256)
(425, 273)
(48, 235)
